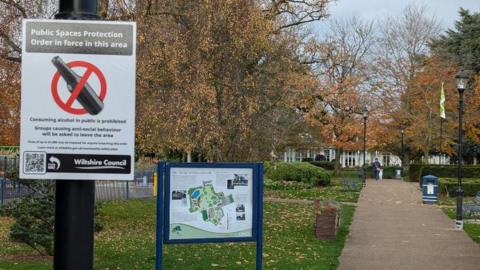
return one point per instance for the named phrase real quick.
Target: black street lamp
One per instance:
(402, 154)
(365, 116)
(462, 80)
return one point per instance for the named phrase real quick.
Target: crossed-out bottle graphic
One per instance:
(87, 96)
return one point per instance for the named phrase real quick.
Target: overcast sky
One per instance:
(446, 11)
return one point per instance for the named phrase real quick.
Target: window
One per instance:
(386, 160)
(350, 159)
(327, 154)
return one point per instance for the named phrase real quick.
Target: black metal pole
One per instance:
(459, 222)
(402, 154)
(364, 151)
(441, 140)
(77, 10)
(75, 200)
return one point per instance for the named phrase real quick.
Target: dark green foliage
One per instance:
(470, 149)
(449, 186)
(351, 173)
(267, 165)
(298, 172)
(415, 172)
(34, 217)
(450, 171)
(388, 172)
(285, 185)
(462, 44)
(307, 159)
(327, 165)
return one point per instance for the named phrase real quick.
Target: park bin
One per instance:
(430, 189)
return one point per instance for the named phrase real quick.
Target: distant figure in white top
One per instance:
(377, 169)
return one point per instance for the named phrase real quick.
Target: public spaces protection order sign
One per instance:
(78, 100)
(211, 202)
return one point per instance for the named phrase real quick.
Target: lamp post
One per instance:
(365, 116)
(462, 80)
(402, 154)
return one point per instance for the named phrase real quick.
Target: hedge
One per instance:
(327, 165)
(450, 171)
(285, 185)
(298, 172)
(388, 172)
(470, 186)
(417, 171)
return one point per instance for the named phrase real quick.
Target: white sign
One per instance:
(210, 203)
(78, 100)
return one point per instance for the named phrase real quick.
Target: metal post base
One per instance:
(458, 224)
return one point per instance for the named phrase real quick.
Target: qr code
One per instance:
(35, 162)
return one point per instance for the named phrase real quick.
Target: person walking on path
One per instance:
(377, 167)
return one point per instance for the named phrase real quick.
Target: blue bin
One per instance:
(430, 189)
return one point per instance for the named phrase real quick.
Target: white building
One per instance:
(347, 158)
(355, 158)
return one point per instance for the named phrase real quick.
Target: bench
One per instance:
(472, 209)
(349, 185)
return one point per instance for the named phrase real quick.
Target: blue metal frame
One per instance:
(163, 211)
(160, 182)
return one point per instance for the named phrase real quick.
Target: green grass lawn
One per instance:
(452, 201)
(473, 230)
(332, 192)
(128, 242)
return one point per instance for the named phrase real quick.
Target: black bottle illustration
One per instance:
(87, 97)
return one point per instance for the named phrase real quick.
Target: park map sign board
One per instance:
(210, 202)
(78, 100)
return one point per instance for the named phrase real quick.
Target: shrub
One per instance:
(286, 185)
(415, 172)
(34, 215)
(449, 186)
(298, 172)
(450, 171)
(307, 159)
(327, 165)
(388, 172)
(267, 165)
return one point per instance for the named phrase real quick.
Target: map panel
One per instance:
(210, 203)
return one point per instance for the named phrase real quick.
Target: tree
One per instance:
(294, 13)
(10, 39)
(218, 71)
(213, 76)
(462, 44)
(402, 49)
(463, 47)
(9, 103)
(335, 107)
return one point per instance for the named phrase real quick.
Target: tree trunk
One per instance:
(406, 164)
(337, 162)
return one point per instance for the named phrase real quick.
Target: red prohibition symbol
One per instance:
(68, 104)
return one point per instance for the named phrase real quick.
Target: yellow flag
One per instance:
(442, 102)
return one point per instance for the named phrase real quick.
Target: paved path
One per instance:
(392, 230)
